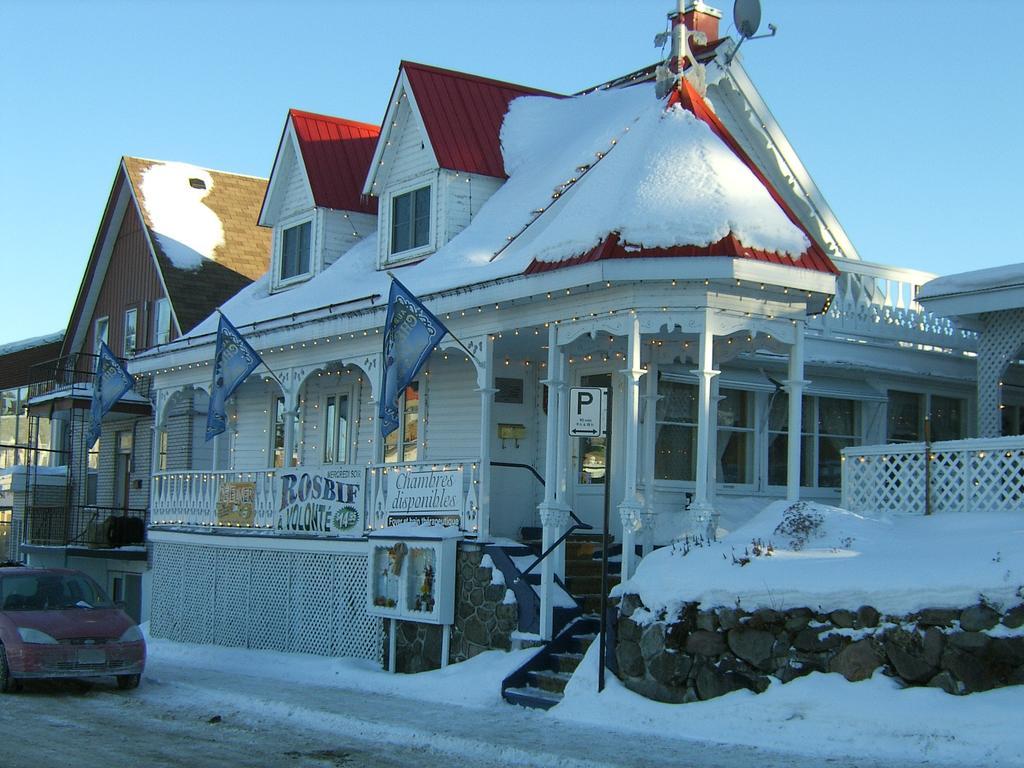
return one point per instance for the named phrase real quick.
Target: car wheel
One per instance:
(7, 683)
(128, 682)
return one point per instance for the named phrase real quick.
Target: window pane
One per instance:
(675, 452)
(401, 223)
(162, 322)
(341, 452)
(329, 434)
(278, 437)
(295, 250)
(778, 459)
(733, 410)
(130, 323)
(904, 417)
(678, 402)
(830, 467)
(836, 417)
(421, 223)
(733, 457)
(947, 418)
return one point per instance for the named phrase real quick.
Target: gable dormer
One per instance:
(438, 159)
(313, 202)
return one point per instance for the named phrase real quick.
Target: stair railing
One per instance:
(516, 465)
(578, 525)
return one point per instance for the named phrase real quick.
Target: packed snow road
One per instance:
(183, 716)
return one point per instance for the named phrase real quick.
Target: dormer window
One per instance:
(295, 250)
(410, 220)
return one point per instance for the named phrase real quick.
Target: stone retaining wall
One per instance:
(483, 621)
(701, 654)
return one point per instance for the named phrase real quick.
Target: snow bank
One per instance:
(820, 715)
(814, 555)
(187, 230)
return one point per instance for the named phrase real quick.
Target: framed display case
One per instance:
(412, 573)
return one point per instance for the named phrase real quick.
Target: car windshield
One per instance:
(50, 591)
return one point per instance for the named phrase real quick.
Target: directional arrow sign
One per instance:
(586, 411)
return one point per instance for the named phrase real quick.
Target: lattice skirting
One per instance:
(303, 602)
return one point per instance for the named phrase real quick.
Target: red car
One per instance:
(56, 622)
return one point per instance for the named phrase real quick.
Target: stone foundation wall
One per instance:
(483, 621)
(701, 654)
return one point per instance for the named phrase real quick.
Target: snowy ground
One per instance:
(304, 711)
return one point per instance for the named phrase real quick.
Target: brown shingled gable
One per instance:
(243, 257)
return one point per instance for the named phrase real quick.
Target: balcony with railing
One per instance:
(877, 302)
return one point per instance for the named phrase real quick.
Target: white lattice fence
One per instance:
(977, 475)
(301, 602)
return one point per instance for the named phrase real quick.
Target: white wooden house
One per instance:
(674, 250)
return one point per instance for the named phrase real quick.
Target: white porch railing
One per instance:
(975, 475)
(380, 491)
(873, 300)
(190, 497)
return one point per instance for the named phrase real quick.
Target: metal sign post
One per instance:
(588, 417)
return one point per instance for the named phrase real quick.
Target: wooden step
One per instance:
(549, 680)
(529, 696)
(566, 661)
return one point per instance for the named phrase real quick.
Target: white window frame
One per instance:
(411, 254)
(675, 483)
(750, 398)
(103, 322)
(161, 335)
(129, 349)
(345, 392)
(297, 221)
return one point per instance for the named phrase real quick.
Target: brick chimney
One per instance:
(701, 17)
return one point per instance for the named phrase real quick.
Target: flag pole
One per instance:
(458, 341)
(264, 362)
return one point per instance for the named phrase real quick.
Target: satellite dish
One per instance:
(747, 16)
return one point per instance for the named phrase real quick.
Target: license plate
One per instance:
(92, 656)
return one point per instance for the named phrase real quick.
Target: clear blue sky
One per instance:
(906, 113)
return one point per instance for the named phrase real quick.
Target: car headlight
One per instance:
(132, 635)
(30, 635)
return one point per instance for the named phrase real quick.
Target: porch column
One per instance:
(563, 496)
(485, 381)
(632, 505)
(291, 412)
(649, 516)
(701, 509)
(795, 389)
(554, 514)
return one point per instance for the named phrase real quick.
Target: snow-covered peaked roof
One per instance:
(611, 162)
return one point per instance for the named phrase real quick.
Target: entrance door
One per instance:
(589, 464)
(122, 469)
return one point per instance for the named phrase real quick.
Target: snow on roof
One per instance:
(845, 561)
(36, 341)
(187, 229)
(669, 181)
(976, 280)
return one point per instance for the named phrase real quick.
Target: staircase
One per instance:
(540, 683)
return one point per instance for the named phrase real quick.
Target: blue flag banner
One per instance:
(109, 386)
(233, 361)
(410, 334)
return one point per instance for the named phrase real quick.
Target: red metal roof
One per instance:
(814, 258)
(337, 155)
(462, 115)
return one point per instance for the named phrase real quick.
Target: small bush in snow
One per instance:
(800, 523)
